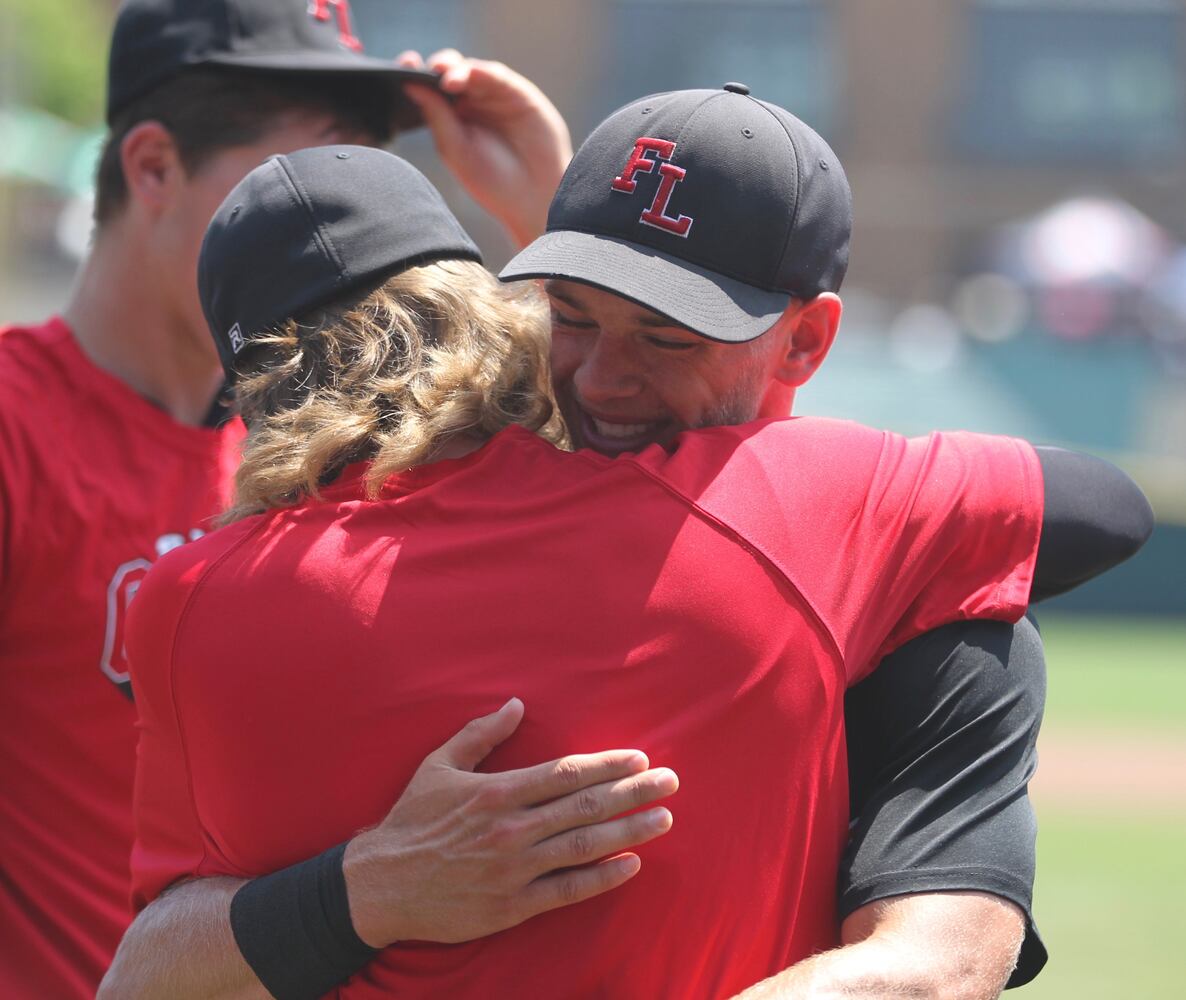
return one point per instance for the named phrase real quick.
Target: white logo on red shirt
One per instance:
(120, 591)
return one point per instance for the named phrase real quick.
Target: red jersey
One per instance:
(95, 484)
(709, 607)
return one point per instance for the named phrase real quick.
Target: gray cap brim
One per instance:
(707, 303)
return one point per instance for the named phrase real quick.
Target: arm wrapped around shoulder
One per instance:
(941, 741)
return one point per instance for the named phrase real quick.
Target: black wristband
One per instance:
(294, 929)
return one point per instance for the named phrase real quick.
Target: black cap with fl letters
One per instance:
(710, 207)
(303, 229)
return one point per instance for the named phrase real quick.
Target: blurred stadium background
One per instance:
(1019, 173)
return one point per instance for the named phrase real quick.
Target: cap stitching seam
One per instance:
(798, 185)
(773, 275)
(319, 232)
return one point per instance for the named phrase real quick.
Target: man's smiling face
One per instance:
(626, 377)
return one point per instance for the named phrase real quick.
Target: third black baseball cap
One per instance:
(710, 207)
(154, 40)
(303, 229)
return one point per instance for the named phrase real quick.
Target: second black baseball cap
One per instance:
(154, 40)
(303, 229)
(710, 207)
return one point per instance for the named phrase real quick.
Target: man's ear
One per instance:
(812, 327)
(152, 165)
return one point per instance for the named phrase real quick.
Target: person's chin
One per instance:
(614, 437)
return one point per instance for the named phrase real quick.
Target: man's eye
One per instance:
(664, 344)
(559, 319)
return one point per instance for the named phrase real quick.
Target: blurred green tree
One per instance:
(55, 55)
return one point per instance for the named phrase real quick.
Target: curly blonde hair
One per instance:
(390, 374)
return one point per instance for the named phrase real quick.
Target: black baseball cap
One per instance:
(710, 207)
(303, 229)
(154, 40)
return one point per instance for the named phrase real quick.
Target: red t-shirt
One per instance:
(95, 484)
(708, 607)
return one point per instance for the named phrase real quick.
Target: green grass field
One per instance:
(1115, 672)
(1111, 880)
(1109, 906)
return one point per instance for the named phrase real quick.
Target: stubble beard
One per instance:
(741, 404)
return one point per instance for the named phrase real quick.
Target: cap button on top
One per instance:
(737, 88)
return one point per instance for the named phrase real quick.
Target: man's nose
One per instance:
(608, 371)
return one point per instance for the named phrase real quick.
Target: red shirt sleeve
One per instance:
(951, 530)
(169, 843)
(884, 537)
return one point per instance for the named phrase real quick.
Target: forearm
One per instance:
(937, 946)
(182, 947)
(869, 970)
(288, 934)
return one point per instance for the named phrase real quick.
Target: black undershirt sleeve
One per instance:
(1095, 517)
(941, 743)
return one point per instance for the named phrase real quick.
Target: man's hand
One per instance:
(498, 134)
(462, 854)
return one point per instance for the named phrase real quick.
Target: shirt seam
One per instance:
(173, 670)
(750, 546)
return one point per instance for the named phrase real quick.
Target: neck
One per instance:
(777, 401)
(457, 447)
(124, 320)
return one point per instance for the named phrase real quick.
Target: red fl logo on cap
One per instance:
(669, 176)
(320, 10)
